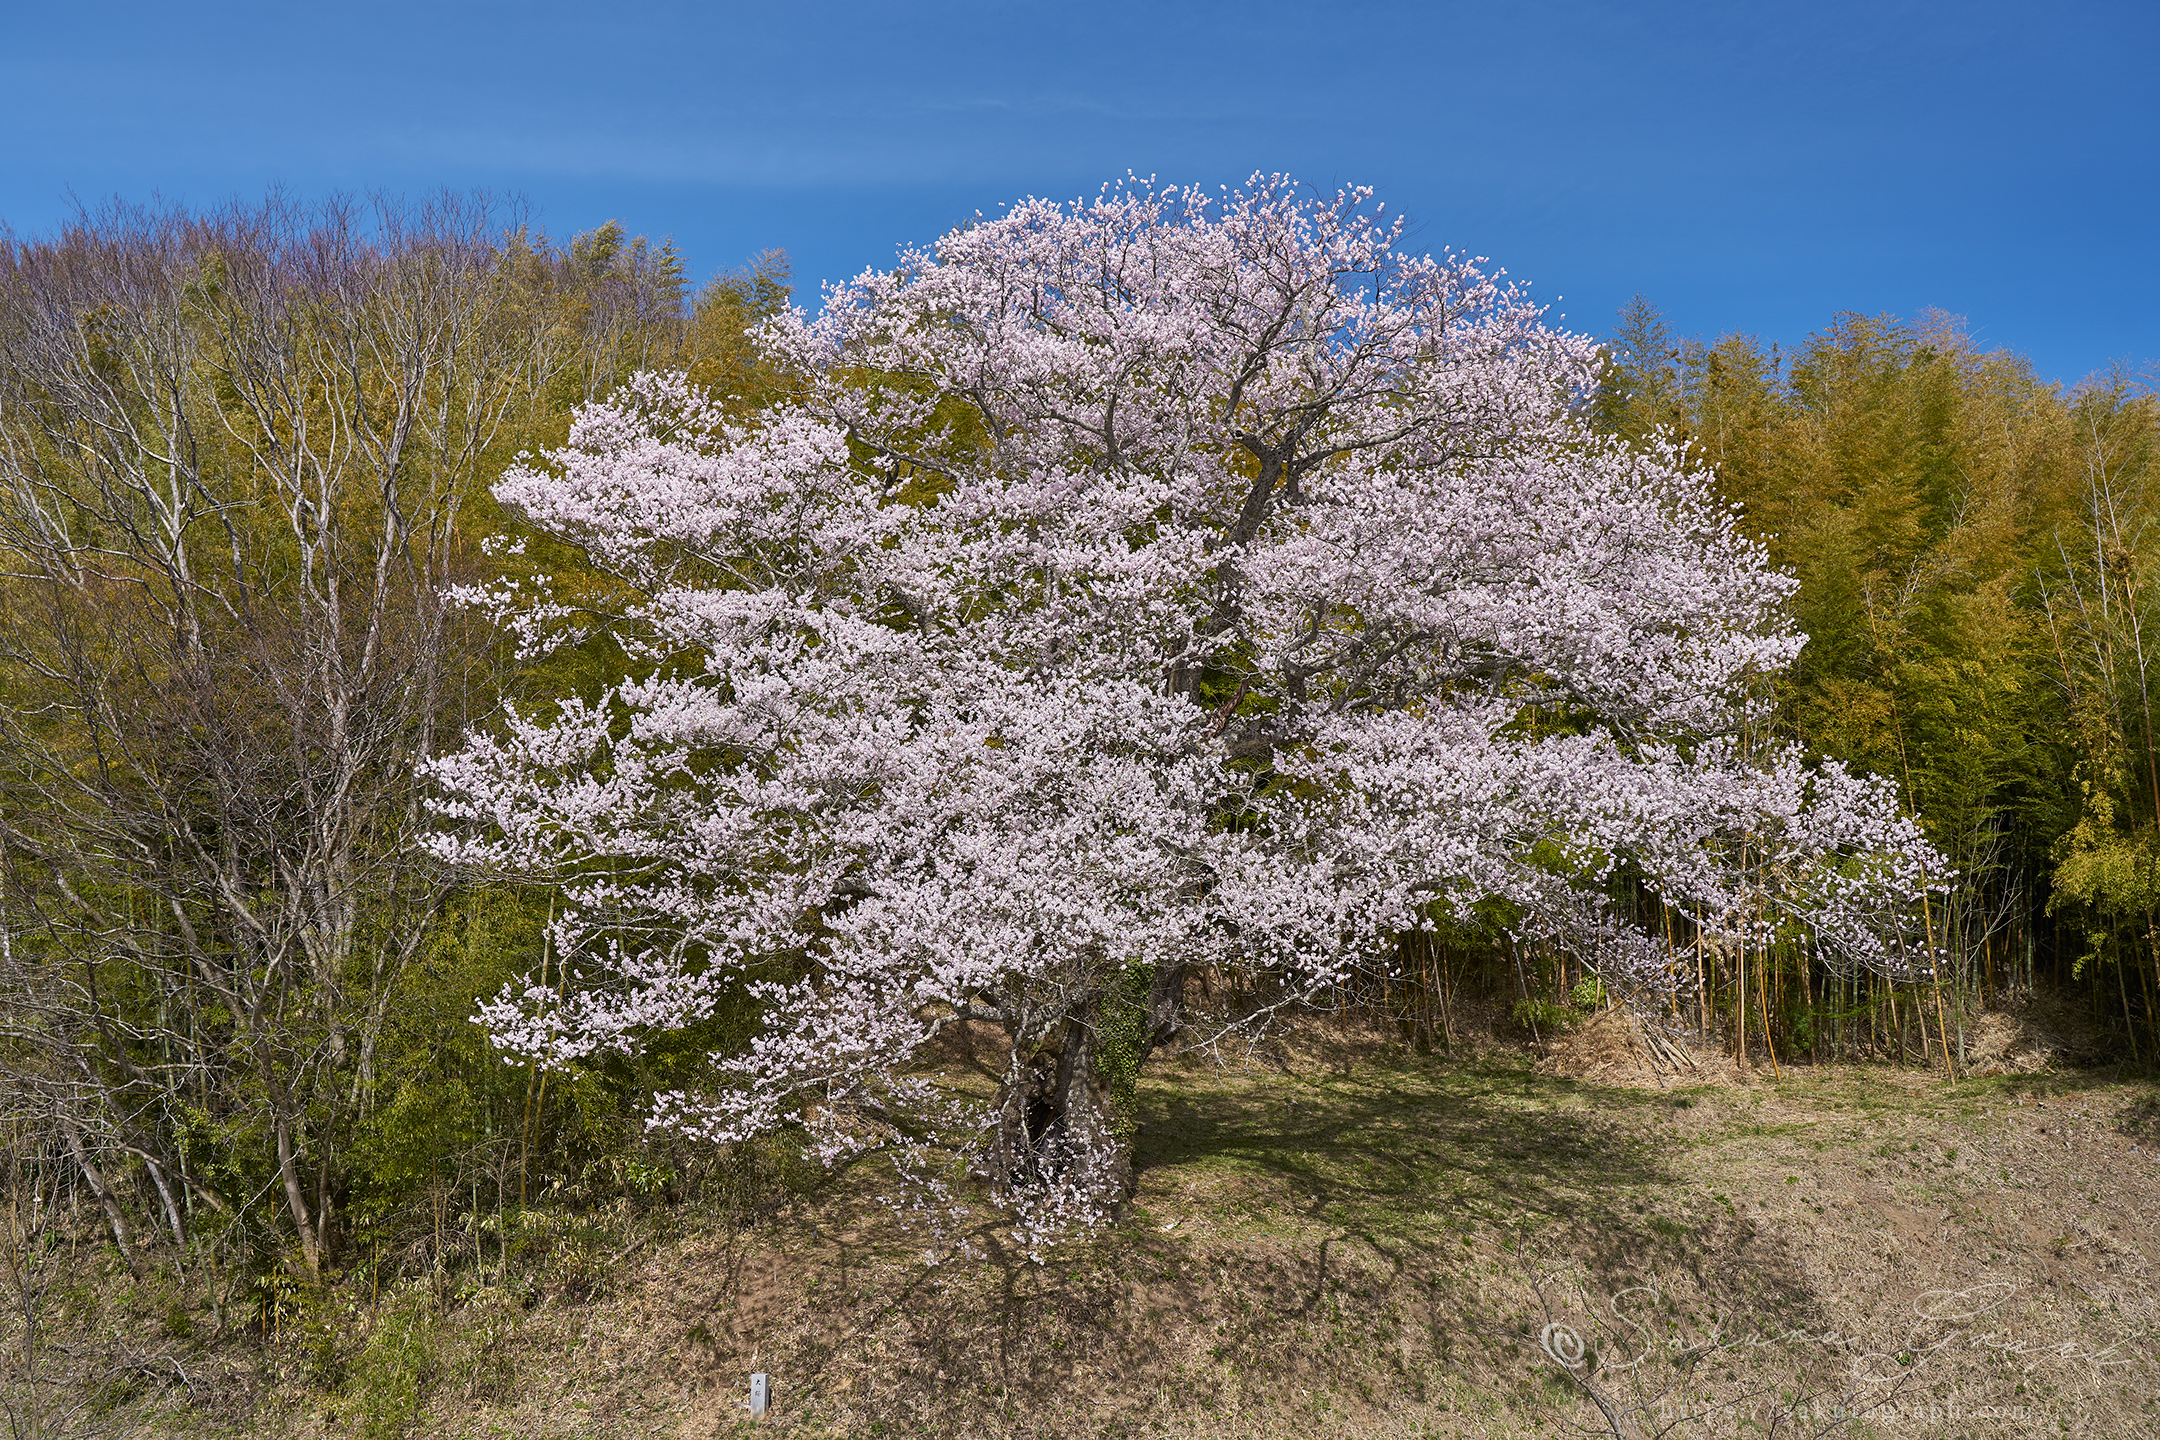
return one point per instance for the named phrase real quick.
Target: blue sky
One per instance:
(1747, 166)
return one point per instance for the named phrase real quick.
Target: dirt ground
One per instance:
(1350, 1240)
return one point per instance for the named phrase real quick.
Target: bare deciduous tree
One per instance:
(235, 455)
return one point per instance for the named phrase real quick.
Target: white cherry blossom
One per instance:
(1129, 587)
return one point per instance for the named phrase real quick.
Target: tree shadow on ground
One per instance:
(1389, 1145)
(1414, 1159)
(1377, 1237)
(2140, 1119)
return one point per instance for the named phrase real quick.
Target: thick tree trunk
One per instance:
(1096, 1138)
(1066, 1114)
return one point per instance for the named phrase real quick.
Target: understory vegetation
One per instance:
(1338, 1237)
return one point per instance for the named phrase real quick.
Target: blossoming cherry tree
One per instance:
(1127, 589)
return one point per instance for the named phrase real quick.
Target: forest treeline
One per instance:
(244, 464)
(1976, 550)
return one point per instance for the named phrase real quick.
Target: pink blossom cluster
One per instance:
(1130, 586)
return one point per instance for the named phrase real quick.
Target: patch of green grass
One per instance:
(1381, 1147)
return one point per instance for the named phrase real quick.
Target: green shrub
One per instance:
(390, 1379)
(1541, 1015)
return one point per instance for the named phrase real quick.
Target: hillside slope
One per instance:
(1366, 1244)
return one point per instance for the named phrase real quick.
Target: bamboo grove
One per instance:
(244, 455)
(1976, 552)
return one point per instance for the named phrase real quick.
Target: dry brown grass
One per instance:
(1354, 1241)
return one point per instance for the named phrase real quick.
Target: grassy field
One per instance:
(1352, 1242)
